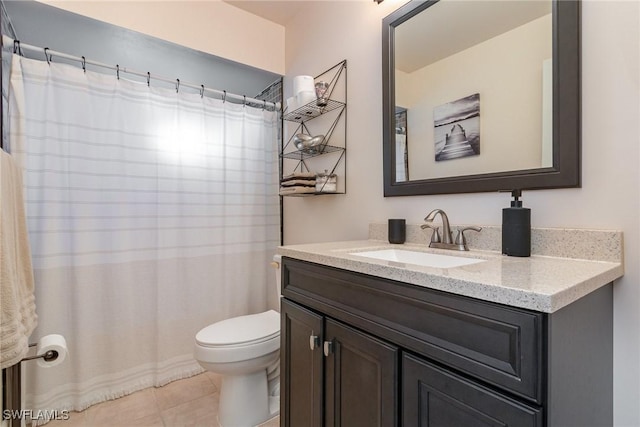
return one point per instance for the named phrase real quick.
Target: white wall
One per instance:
(213, 27)
(610, 193)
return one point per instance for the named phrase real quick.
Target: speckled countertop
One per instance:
(540, 282)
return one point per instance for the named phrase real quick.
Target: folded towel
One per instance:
(299, 182)
(299, 175)
(18, 316)
(296, 189)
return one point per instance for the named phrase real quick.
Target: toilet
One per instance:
(245, 351)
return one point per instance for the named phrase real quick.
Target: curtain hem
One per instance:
(120, 387)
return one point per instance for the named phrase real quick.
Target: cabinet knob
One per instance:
(328, 348)
(314, 342)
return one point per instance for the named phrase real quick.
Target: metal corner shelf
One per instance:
(301, 155)
(311, 111)
(317, 193)
(337, 75)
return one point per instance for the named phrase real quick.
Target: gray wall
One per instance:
(46, 26)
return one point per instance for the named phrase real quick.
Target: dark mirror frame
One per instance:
(566, 115)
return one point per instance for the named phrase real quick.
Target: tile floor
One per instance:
(189, 402)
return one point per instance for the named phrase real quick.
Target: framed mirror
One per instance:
(490, 93)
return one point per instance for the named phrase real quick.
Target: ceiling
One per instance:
(481, 20)
(448, 27)
(280, 12)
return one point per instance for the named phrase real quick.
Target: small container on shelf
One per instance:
(321, 90)
(326, 182)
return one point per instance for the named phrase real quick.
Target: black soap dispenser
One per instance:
(516, 228)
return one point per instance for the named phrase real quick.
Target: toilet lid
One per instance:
(249, 329)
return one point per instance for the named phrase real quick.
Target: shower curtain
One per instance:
(401, 157)
(151, 214)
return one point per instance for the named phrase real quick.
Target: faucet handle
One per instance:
(460, 239)
(435, 236)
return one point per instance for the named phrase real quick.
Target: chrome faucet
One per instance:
(446, 229)
(446, 241)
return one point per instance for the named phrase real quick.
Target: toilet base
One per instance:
(274, 406)
(245, 400)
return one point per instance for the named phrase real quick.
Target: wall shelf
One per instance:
(301, 155)
(316, 193)
(311, 111)
(312, 119)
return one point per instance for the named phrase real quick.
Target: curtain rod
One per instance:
(49, 54)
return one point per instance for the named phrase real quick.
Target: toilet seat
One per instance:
(239, 338)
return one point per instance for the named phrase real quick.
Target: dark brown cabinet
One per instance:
(405, 355)
(435, 397)
(302, 373)
(360, 378)
(335, 375)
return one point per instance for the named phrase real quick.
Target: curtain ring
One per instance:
(46, 56)
(177, 85)
(201, 91)
(244, 102)
(118, 71)
(84, 64)
(224, 97)
(148, 78)
(264, 105)
(16, 46)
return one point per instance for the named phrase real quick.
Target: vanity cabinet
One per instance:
(436, 397)
(406, 355)
(334, 374)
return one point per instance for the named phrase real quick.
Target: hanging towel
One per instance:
(18, 316)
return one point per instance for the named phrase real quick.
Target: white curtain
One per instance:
(151, 214)
(401, 157)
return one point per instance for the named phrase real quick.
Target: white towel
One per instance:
(297, 189)
(18, 316)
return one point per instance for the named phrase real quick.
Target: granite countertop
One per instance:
(540, 282)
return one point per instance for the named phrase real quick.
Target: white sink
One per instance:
(419, 258)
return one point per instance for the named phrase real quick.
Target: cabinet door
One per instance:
(300, 367)
(435, 397)
(360, 377)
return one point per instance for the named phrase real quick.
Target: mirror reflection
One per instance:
(402, 153)
(473, 89)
